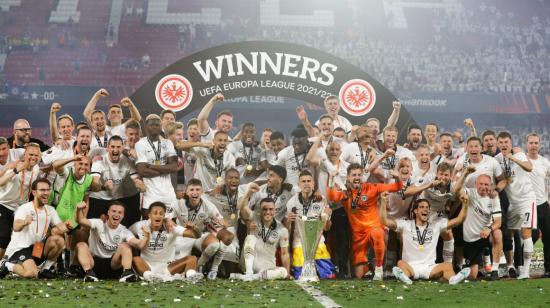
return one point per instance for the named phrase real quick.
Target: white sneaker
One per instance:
(151, 277)
(523, 273)
(196, 277)
(212, 275)
(378, 274)
(397, 272)
(463, 274)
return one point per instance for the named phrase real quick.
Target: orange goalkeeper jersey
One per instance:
(365, 213)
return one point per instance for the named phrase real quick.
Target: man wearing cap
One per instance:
(156, 160)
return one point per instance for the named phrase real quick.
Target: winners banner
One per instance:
(268, 69)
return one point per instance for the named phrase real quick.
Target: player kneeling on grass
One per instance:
(195, 212)
(265, 235)
(304, 205)
(108, 251)
(156, 261)
(31, 243)
(419, 238)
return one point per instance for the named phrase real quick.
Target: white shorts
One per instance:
(158, 268)
(169, 200)
(522, 216)
(422, 271)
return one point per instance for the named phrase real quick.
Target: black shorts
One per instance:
(103, 269)
(25, 254)
(6, 225)
(458, 236)
(473, 251)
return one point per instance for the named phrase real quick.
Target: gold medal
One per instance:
(232, 216)
(157, 162)
(421, 247)
(249, 167)
(219, 180)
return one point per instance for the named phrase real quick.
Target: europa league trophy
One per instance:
(309, 232)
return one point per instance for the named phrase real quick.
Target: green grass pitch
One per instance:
(225, 293)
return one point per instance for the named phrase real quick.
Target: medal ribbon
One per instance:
(157, 151)
(421, 238)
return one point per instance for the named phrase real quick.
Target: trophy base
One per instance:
(309, 272)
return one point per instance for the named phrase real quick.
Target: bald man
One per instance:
(22, 136)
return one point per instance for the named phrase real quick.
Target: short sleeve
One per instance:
(497, 169)
(170, 150)
(20, 213)
(127, 235)
(98, 168)
(442, 224)
(401, 225)
(141, 153)
(95, 223)
(54, 217)
(497, 211)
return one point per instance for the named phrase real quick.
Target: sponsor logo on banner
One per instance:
(173, 92)
(357, 97)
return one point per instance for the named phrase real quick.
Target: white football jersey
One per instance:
(520, 190)
(148, 153)
(208, 170)
(482, 212)
(413, 251)
(161, 247)
(540, 178)
(488, 165)
(104, 241)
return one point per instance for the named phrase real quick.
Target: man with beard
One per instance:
(80, 147)
(274, 188)
(247, 153)
(419, 238)
(414, 138)
(15, 189)
(112, 170)
(196, 212)
(360, 152)
(390, 143)
(166, 116)
(108, 252)
(224, 119)
(156, 159)
(437, 191)
(225, 197)
(22, 136)
(374, 124)
(360, 203)
(445, 152)
(398, 207)
(100, 134)
(482, 224)
(541, 172)
(114, 114)
(301, 206)
(30, 243)
(213, 159)
(156, 260)
(62, 127)
(266, 235)
(522, 214)
(293, 158)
